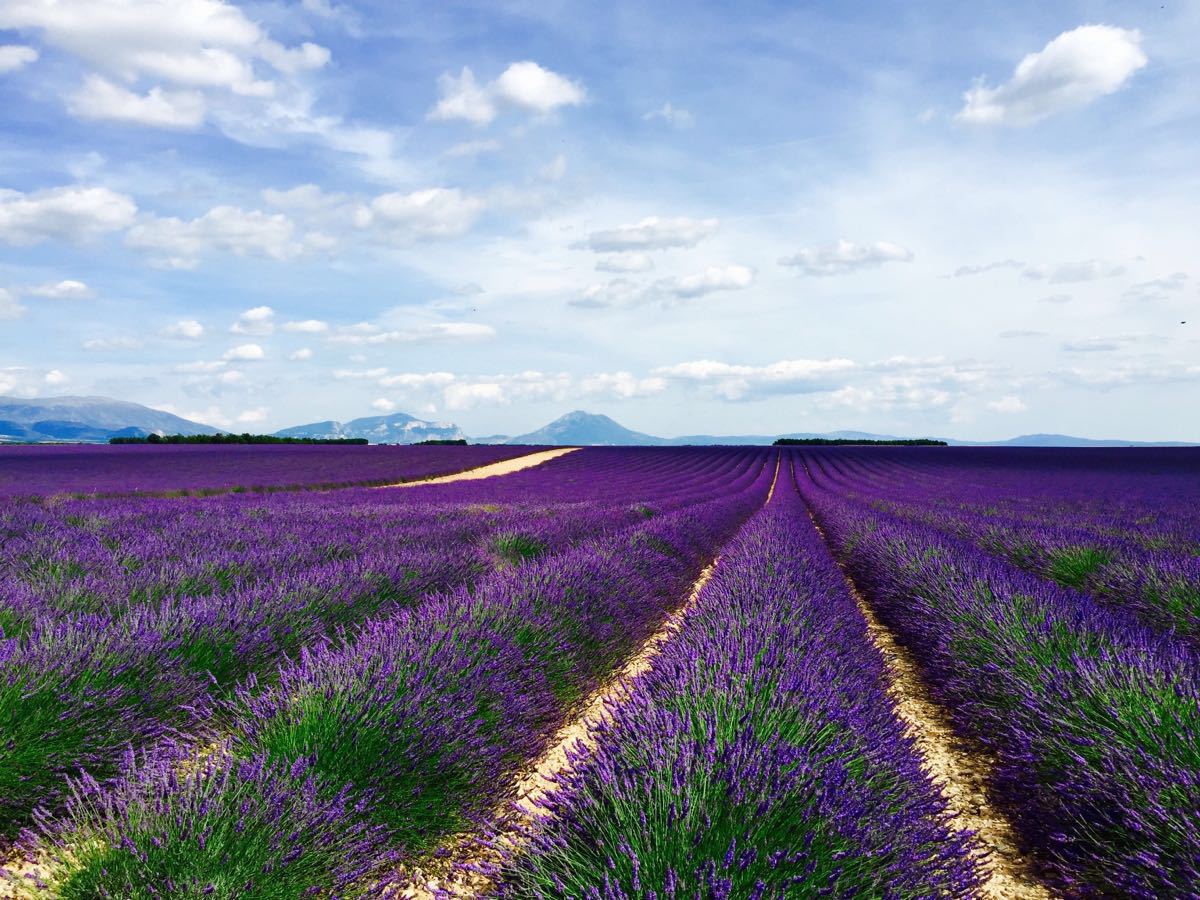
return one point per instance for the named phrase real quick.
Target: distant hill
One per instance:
(1064, 440)
(86, 419)
(584, 428)
(397, 428)
(589, 429)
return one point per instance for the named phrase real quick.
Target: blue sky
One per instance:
(973, 220)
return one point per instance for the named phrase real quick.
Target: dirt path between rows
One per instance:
(21, 867)
(960, 771)
(491, 470)
(539, 780)
(445, 876)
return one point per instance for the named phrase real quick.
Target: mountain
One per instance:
(583, 428)
(86, 420)
(760, 439)
(1064, 440)
(586, 428)
(398, 428)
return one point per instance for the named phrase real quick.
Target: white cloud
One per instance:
(627, 293)
(1157, 288)
(415, 381)
(179, 244)
(15, 56)
(433, 333)
(625, 262)
(184, 329)
(963, 271)
(528, 86)
(198, 43)
(458, 392)
(259, 321)
(309, 200)
(622, 384)
(652, 233)
(1009, 403)
(252, 416)
(1057, 299)
(1073, 70)
(9, 307)
(1131, 374)
(63, 213)
(524, 86)
(618, 292)
(68, 289)
(383, 405)
(171, 64)
(304, 353)
(463, 98)
(246, 352)
(360, 374)
(101, 345)
(1098, 344)
(307, 326)
(472, 148)
(742, 382)
(26, 382)
(1073, 272)
(845, 257)
(215, 365)
(430, 213)
(1020, 333)
(99, 98)
(679, 118)
(714, 278)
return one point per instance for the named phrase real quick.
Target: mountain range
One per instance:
(397, 428)
(96, 419)
(590, 429)
(89, 420)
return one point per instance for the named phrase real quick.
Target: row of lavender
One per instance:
(1144, 558)
(371, 747)
(132, 620)
(40, 471)
(1093, 718)
(759, 757)
(101, 555)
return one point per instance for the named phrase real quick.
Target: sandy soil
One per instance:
(443, 877)
(960, 770)
(504, 467)
(24, 871)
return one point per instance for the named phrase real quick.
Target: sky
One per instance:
(957, 219)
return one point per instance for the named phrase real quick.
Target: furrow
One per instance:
(961, 771)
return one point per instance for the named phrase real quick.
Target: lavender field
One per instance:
(730, 672)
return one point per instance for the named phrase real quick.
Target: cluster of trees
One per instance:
(246, 438)
(856, 442)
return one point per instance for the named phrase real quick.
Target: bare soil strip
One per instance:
(444, 876)
(18, 876)
(21, 867)
(959, 770)
(536, 783)
(504, 467)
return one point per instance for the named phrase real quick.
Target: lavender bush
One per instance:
(760, 756)
(1094, 719)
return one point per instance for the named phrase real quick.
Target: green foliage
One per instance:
(514, 548)
(245, 438)
(1073, 566)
